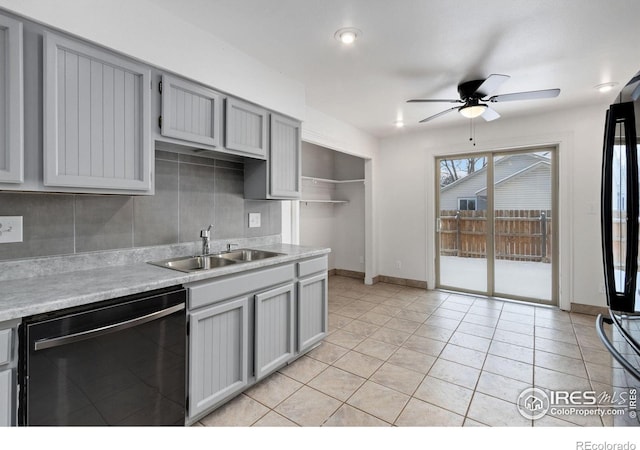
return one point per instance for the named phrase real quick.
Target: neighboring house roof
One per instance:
(499, 161)
(508, 178)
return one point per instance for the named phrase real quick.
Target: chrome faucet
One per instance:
(229, 246)
(206, 240)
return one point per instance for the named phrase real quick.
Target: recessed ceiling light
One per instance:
(347, 35)
(606, 87)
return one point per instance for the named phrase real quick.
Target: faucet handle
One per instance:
(206, 233)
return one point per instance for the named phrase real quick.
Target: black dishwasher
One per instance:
(117, 362)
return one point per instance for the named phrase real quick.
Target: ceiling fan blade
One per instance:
(493, 82)
(434, 100)
(438, 115)
(529, 95)
(490, 114)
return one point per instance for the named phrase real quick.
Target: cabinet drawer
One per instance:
(5, 346)
(206, 292)
(312, 266)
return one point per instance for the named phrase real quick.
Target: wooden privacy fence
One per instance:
(520, 235)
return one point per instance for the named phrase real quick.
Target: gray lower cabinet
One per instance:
(275, 323)
(96, 119)
(246, 128)
(8, 364)
(11, 102)
(312, 311)
(190, 112)
(278, 177)
(6, 398)
(219, 353)
(245, 326)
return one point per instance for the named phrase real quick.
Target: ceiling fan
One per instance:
(474, 96)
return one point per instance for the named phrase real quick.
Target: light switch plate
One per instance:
(10, 229)
(254, 220)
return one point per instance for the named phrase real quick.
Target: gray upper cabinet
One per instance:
(284, 158)
(274, 329)
(190, 112)
(11, 102)
(96, 118)
(278, 177)
(246, 128)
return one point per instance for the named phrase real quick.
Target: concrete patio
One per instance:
(518, 278)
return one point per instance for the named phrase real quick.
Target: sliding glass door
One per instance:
(496, 216)
(463, 237)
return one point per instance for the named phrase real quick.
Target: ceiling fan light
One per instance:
(472, 111)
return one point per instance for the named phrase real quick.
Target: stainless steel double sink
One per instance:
(215, 260)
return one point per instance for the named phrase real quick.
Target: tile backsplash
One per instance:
(191, 193)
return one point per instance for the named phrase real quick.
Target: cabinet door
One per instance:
(6, 403)
(11, 102)
(218, 353)
(312, 311)
(190, 112)
(274, 329)
(284, 158)
(245, 128)
(96, 118)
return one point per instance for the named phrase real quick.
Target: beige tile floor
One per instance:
(398, 356)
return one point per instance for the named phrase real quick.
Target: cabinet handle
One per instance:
(83, 335)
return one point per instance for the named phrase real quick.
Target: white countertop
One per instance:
(27, 296)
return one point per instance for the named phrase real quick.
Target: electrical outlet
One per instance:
(10, 229)
(602, 288)
(398, 264)
(254, 220)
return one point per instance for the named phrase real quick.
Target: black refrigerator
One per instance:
(620, 212)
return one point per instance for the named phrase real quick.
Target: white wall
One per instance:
(143, 30)
(349, 224)
(326, 131)
(316, 227)
(405, 193)
(348, 228)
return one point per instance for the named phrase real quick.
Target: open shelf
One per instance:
(323, 201)
(327, 180)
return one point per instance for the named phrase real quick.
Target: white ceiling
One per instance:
(424, 48)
